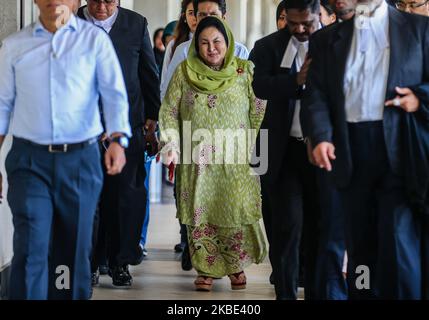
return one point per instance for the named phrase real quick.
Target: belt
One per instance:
(58, 148)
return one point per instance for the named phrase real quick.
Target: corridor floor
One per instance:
(160, 275)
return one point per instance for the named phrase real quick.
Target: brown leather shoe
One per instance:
(203, 283)
(238, 281)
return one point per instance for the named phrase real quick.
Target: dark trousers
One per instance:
(123, 206)
(425, 256)
(330, 282)
(52, 197)
(383, 233)
(99, 253)
(294, 207)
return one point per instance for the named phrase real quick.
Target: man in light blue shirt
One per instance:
(202, 9)
(52, 75)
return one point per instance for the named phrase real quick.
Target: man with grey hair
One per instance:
(373, 138)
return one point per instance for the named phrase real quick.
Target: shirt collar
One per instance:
(381, 13)
(379, 25)
(105, 24)
(70, 25)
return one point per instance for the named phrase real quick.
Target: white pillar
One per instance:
(254, 22)
(127, 4)
(158, 13)
(236, 17)
(269, 24)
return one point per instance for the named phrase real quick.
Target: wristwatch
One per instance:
(122, 141)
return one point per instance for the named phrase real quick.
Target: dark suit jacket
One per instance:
(278, 86)
(323, 112)
(132, 43)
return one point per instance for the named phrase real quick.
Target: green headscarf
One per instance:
(206, 80)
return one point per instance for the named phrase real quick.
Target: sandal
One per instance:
(203, 283)
(238, 281)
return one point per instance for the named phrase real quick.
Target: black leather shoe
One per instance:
(103, 270)
(272, 278)
(121, 276)
(186, 259)
(95, 277)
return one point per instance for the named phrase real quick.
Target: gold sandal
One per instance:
(203, 283)
(238, 281)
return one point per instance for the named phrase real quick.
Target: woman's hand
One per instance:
(170, 157)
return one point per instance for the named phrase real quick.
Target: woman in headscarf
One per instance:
(220, 203)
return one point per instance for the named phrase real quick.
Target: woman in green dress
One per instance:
(210, 100)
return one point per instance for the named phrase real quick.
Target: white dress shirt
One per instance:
(181, 54)
(367, 69)
(106, 25)
(167, 59)
(295, 51)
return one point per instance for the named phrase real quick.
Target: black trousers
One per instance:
(383, 233)
(425, 253)
(293, 203)
(99, 253)
(330, 284)
(122, 208)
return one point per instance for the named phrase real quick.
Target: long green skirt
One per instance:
(219, 251)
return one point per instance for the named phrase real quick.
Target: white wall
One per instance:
(9, 19)
(9, 23)
(158, 12)
(249, 19)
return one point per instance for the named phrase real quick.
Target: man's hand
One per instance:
(302, 74)
(323, 154)
(310, 154)
(406, 100)
(114, 159)
(150, 137)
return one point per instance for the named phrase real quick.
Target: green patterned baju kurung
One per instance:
(219, 203)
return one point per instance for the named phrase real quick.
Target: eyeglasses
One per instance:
(401, 5)
(103, 1)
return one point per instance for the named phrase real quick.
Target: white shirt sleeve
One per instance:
(179, 56)
(167, 60)
(241, 51)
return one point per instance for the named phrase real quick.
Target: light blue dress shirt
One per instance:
(181, 54)
(50, 84)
